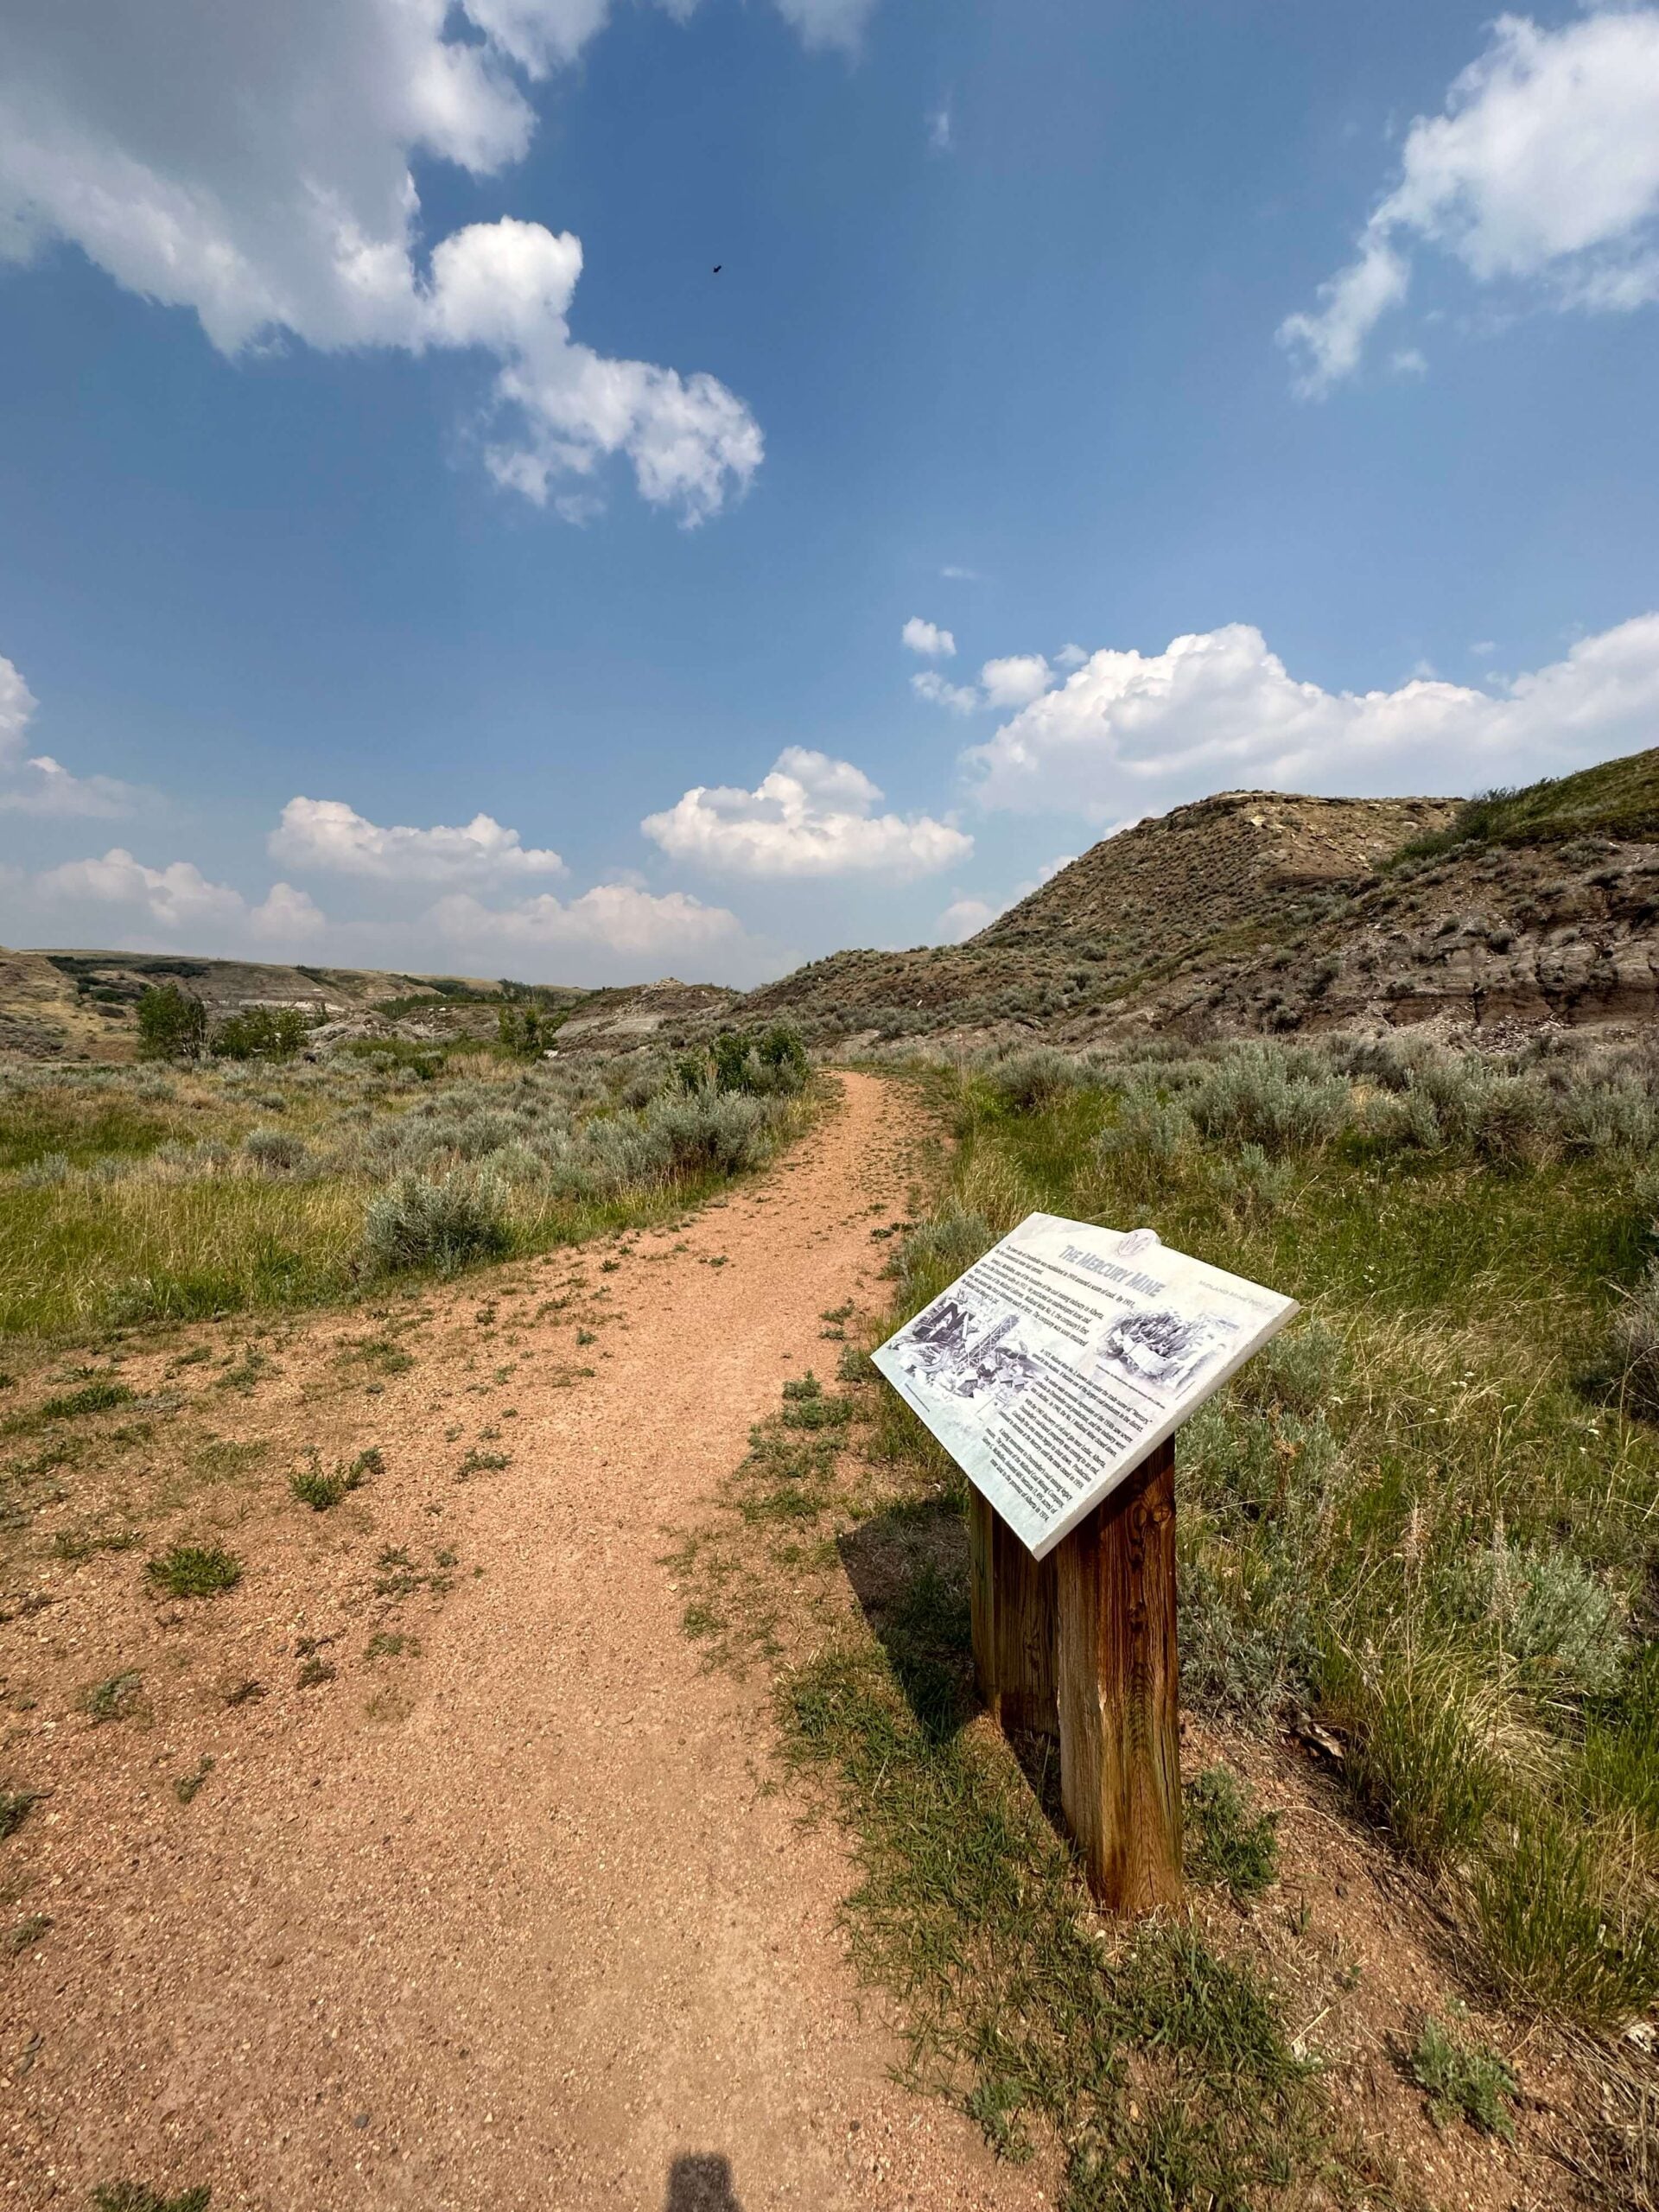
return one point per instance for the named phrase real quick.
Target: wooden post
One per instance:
(1118, 1690)
(1012, 1604)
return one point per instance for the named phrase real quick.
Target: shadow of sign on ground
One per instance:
(909, 1568)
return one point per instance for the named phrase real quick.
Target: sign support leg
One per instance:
(1118, 1691)
(1012, 1604)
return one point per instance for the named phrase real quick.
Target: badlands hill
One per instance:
(1251, 911)
(1254, 911)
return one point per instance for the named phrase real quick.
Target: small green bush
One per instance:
(1464, 2078)
(192, 1571)
(172, 1024)
(444, 1222)
(320, 1491)
(261, 1033)
(1025, 1082)
(1271, 1099)
(279, 1152)
(763, 1064)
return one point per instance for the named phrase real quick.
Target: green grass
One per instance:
(192, 1571)
(100, 1232)
(1224, 1842)
(1619, 798)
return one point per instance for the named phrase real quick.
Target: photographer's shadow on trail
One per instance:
(701, 2181)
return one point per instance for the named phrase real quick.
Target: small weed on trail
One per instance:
(192, 1571)
(98, 1397)
(1464, 2079)
(187, 1785)
(481, 1462)
(320, 1491)
(134, 2196)
(380, 1355)
(23, 1934)
(119, 1698)
(807, 1405)
(15, 1807)
(248, 1372)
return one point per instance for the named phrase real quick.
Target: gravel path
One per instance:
(544, 1940)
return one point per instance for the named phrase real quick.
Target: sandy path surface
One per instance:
(543, 1940)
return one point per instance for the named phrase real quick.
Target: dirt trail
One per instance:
(541, 1940)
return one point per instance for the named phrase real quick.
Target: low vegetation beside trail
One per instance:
(1429, 1516)
(1419, 1542)
(167, 1193)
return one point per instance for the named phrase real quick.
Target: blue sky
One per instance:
(1209, 397)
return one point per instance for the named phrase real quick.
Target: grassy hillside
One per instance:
(1616, 800)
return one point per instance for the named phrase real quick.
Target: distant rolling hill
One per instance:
(1248, 911)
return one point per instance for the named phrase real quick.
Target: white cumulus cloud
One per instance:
(287, 919)
(828, 23)
(178, 897)
(118, 895)
(611, 917)
(962, 918)
(1543, 169)
(1219, 708)
(1016, 680)
(810, 816)
(256, 165)
(928, 639)
(327, 834)
(958, 698)
(39, 785)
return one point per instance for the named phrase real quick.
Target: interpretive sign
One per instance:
(1059, 1362)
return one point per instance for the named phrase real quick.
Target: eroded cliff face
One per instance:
(1511, 937)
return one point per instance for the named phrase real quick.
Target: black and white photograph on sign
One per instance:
(1164, 1351)
(1053, 1365)
(960, 1347)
